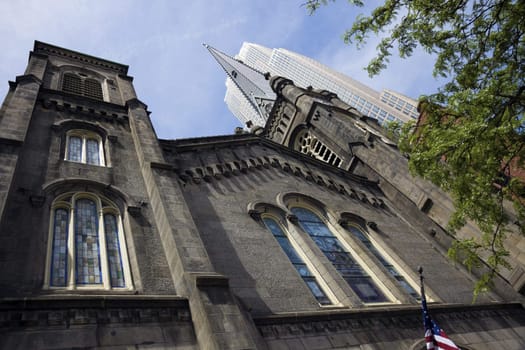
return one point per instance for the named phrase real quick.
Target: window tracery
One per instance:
(86, 246)
(310, 145)
(347, 266)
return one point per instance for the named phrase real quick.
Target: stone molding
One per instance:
(216, 171)
(66, 311)
(102, 114)
(46, 49)
(27, 79)
(135, 103)
(406, 318)
(231, 141)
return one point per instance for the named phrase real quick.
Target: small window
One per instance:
(81, 85)
(86, 245)
(310, 145)
(84, 146)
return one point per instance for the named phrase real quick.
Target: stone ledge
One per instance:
(212, 280)
(94, 310)
(376, 320)
(387, 311)
(93, 301)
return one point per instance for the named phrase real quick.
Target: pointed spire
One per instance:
(253, 84)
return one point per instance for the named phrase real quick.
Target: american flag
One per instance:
(435, 337)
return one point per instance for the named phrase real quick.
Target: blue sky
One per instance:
(174, 74)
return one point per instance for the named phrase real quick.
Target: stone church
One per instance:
(304, 234)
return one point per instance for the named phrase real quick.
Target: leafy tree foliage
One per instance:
(470, 140)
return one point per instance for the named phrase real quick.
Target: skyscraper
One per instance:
(385, 106)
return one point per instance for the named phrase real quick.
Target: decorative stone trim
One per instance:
(254, 214)
(405, 318)
(42, 48)
(211, 172)
(100, 114)
(28, 78)
(292, 218)
(92, 310)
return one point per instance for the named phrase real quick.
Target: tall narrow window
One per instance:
(59, 251)
(389, 267)
(87, 247)
(84, 147)
(92, 152)
(75, 148)
(87, 243)
(116, 271)
(357, 278)
(296, 261)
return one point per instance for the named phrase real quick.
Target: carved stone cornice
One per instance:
(27, 79)
(135, 103)
(109, 114)
(66, 310)
(377, 320)
(51, 50)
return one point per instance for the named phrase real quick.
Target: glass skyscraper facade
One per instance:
(385, 106)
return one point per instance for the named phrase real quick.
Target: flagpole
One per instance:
(421, 278)
(435, 337)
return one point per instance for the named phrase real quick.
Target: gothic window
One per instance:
(84, 146)
(299, 264)
(401, 280)
(353, 273)
(310, 145)
(80, 84)
(86, 245)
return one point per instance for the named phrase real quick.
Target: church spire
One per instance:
(253, 84)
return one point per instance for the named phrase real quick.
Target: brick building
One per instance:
(305, 234)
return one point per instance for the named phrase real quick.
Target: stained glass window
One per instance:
(297, 262)
(92, 153)
(389, 267)
(75, 149)
(116, 272)
(59, 251)
(87, 243)
(93, 221)
(360, 282)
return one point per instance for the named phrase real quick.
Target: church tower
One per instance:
(291, 236)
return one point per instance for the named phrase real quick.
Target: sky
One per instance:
(161, 42)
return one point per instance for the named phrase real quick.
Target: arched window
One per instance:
(309, 144)
(86, 244)
(356, 277)
(84, 147)
(80, 84)
(299, 264)
(401, 280)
